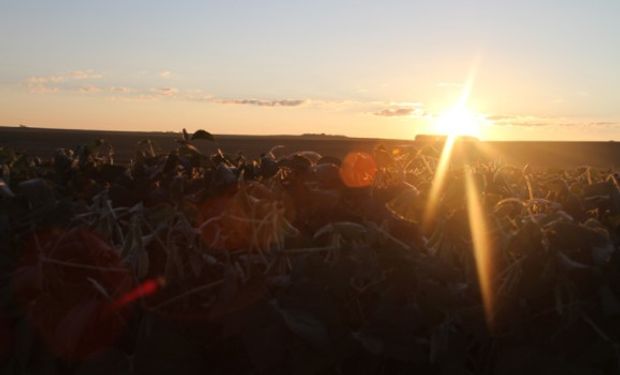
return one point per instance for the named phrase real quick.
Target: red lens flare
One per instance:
(143, 290)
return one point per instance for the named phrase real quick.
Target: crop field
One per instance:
(328, 255)
(43, 142)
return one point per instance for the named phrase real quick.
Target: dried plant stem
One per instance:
(195, 290)
(307, 250)
(83, 266)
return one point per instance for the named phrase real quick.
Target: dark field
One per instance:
(202, 262)
(43, 142)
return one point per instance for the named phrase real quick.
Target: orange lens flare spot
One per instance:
(358, 169)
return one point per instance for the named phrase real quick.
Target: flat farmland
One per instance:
(42, 142)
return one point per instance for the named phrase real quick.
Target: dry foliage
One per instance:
(193, 263)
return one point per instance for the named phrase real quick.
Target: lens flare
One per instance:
(145, 289)
(460, 121)
(438, 181)
(358, 170)
(481, 243)
(452, 121)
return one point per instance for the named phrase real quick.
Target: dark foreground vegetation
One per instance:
(190, 262)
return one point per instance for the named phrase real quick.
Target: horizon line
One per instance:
(317, 135)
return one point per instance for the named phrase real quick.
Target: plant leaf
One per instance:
(5, 190)
(306, 327)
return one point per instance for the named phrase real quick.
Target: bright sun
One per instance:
(460, 120)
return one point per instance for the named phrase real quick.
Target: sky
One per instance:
(539, 70)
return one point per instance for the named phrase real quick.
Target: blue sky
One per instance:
(363, 68)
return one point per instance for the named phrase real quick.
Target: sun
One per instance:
(460, 121)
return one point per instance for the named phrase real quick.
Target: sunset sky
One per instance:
(540, 69)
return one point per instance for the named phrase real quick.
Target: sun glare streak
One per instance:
(481, 243)
(451, 120)
(454, 123)
(438, 181)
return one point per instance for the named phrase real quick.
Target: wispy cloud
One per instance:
(401, 109)
(84, 74)
(89, 89)
(201, 96)
(121, 89)
(605, 123)
(42, 89)
(165, 91)
(538, 121)
(75, 75)
(39, 80)
(261, 102)
(395, 112)
(59, 82)
(161, 93)
(84, 82)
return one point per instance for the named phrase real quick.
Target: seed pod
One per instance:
(297, 163)
(224, 178)
(329, 160)
(268, 167)
(327, 175)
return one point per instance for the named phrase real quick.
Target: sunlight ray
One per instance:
(481, 243)
(446, 153)
(438, 181)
